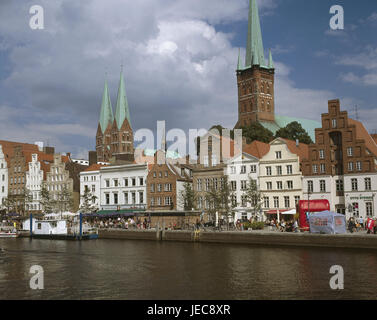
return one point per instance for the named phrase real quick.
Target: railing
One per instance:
(123, 207)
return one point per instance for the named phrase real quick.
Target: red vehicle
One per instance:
(305, 207)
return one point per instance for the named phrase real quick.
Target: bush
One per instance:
(253, 225)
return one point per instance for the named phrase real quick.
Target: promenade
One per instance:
(358, 240)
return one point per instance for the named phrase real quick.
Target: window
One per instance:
(168, 201)
(350, 166)
(206, 161)
(152, 202)
(369, 209)
(115, 198)
(289, 169)
(354, 184)
(323, 168)
(214, 160)
(339, 185)
(358, 166)
(133, 195)
(278, 154)
(107, 182)
(160, 174)
(93, 188)
(297, 199)
(234, 201)
(215, 183)
(315, 169)
(141, 197)
(310, 186)
(154, 175)
(133, 182)
(107, 196)
(158, 201)
(290, 185)
(159, 187)
(355, 207)
(233, 170)
(243, 201)
(279, 185)
(279, 170)
(125, 182)
(167, 174)
(207, 185)
(233, 185)
(141, 181)
(276, 202)
(125, 195)
(253, 168)
(322, 185)
(168, 187)
(152, 187)
(322, 154)
(243, 169)
(266, 201)
(243, 185)
(199, 184)
(268, 171)
(269, 185)
(115, 181)
(334, 123)
(350, 151)
(287, 202)
(368, 184)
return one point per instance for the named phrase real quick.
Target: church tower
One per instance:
(122, 140)
(255, 80)
(103, 137)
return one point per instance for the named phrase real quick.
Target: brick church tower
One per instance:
(114, 134)
(256, 80)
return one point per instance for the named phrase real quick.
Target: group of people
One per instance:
(282, 226)
(359, 224)
(119, 223)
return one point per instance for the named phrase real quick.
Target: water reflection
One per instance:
(110, 269)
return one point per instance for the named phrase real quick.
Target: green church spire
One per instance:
(122, 112)
(106, 115)
(254, 49)
(239, 65)
(270, 61)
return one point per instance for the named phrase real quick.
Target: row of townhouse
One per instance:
(136, 187)
(24, 168)
(340, 166)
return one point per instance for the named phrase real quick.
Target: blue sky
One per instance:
(179, 58)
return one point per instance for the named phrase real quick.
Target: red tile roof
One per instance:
(8, 148)
(362, 134)
(94, 167)
(256, 148)
(302, 150)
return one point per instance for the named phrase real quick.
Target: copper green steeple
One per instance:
(254, 48)
(106, 115)
(122, 112)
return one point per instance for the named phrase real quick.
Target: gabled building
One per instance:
(3, 178)
(114, 134)
(256, 81)
(165, 183)
(90, 179)
(342, 165)
(280, 176)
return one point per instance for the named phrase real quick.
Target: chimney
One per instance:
(68, 154)
(92, 157)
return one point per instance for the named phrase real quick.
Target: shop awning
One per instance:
(275, 211)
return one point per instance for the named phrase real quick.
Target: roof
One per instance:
(94, 167)
(256, 148)
(302, 150)
(283, 121)
(122, 111)
(8, 148)
(374, 136)
(363, 134)
(106, 115)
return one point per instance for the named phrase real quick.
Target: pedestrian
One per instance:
(370, 226)
(351, 225)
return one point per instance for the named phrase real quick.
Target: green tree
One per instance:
(254, 196)
(87, 205)
(256, 131)
(294, 131)
(221, 199)
(188, 197)
(47, 201)
(64, 200)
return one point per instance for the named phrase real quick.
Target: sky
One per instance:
(179, 59)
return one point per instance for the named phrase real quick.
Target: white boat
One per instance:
(8, 234)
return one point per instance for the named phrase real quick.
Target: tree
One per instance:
(188, 197)
(9, 203)
(47, 202)
(294, 131)
(87, 205)
(65, 200)
(256, 131)
(254, 196)
(220, 198)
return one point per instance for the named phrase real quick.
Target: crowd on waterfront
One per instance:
(360, 224)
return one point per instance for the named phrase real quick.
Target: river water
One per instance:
(123, 269)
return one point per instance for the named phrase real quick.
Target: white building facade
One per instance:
(123, 187)
(3, 178)
(34, 180)
(240, 170)
(90, 179)
(280, 178)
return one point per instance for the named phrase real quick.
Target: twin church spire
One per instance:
(254, 47)
(122, 111)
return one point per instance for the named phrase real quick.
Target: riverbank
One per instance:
(264, 238)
